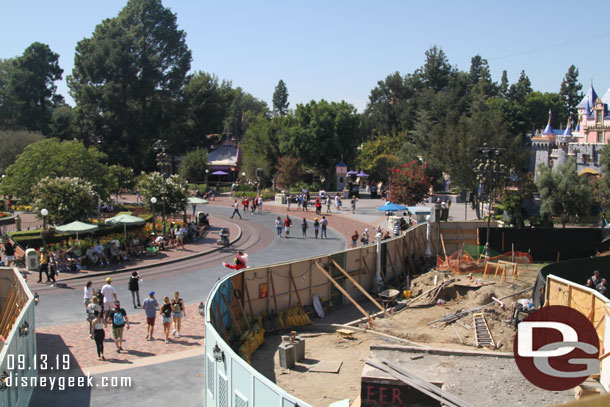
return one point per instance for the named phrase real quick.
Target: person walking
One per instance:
(166, 315)
(260, 204)
(316, 227)
(287, 225)
(178, 312)
(92, 308)
(355, 238)
(337, 202)
(150, 306)
(305, 203)
(44, 266)
(318, 206)
(236, 209)
(323, 224)
(110, 297)
(119, 319)
(88, 293)
(134, 287)
(278, 226)
(353, 202)
(365, 237)
(328, 203)
(98, 323)
(304, 227)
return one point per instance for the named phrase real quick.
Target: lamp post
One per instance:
(44, 212)
(153, 201)
(206, 178)
(490, 173)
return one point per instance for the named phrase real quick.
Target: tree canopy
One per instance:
(280, 99)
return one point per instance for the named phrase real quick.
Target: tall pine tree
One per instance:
(280, 99)
(570, 91)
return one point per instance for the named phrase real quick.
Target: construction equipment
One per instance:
(482, 333)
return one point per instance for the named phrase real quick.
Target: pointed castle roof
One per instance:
(568, 131)
(548, 130)
(590, 98)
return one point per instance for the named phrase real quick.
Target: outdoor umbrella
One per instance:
(352, 172)
(125, 220)
(362, 174)
(76, 226)
(193, 200)
(220, 173)
(391, 207)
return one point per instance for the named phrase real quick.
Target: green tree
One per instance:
(260, 146)
(321, 134)
(62, 125)
(564, 194)
(53, 158)
(604, 183)
(436, 72)
(570, 91)
(67, 199)
(503, 88)
(193, 165)
(381, 166)
(537, 107)
(13, 143)
(127, 81)
(372, 149)
(280, 99)
(30, 91)
(120, 178)
(243, 110)
(171, 192)
(288, 172)
(207, 104)
(409, 183)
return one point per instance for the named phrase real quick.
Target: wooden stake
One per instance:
(273, 288)
(249, 302)
(233, 318)
(359, 287)
(349, 297)
(444, 250)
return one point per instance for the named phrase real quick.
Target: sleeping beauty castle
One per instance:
(584, 142)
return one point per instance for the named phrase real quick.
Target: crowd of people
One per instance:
(103, 309)
(598, 283)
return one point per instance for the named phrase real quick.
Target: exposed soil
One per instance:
(412, 324)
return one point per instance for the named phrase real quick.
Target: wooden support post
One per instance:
(233, 317)
(296, 291)
(592, 314)
(273, 289)
(569, 295)
(222, 324)
(359, 287)
(389, 256)
(249, 302)
(349, 297)
(444, 251)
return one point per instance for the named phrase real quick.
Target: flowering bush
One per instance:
(409, 183)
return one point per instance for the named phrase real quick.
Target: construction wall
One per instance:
(230, 380)
(588, 302)
(457, 234)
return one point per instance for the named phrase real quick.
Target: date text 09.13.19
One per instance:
(42, 362)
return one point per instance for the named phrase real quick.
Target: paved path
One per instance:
(61, 328)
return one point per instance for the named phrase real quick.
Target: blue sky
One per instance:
(339, 50)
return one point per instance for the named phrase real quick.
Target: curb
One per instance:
(162, 263)
(442, 351)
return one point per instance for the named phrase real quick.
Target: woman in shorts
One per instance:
(166, 315)
(178, 312)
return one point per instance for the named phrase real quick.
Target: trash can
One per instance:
(32, 261)
(224, 237)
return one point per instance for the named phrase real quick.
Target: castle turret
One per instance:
(562, 142)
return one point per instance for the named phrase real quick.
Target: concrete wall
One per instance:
(15, 344)
(231, 381)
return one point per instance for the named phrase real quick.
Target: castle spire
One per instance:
(548, 130)
(568, 131)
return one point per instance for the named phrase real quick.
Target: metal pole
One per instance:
(153, 221)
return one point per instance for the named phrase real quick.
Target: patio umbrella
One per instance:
(193, 200)
(362, 174)
(125, 220)
(220, 173)
(76, 226)
(391, 207)
(352, 172)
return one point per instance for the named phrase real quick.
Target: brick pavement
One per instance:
(73, 339)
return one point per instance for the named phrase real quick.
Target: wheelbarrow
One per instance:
(388, 297)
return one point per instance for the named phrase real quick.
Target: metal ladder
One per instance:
(481, 331)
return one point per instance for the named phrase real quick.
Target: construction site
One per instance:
(420, 333)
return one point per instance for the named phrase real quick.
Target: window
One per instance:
(600, 137)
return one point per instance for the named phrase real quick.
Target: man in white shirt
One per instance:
(99, 250)
(110, 297)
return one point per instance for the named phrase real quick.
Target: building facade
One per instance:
(553, 147)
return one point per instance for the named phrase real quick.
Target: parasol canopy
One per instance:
(125, 220)
(76, 227)
(220, 173)
(391, 207)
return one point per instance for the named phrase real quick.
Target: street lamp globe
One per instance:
(44, 212)
(153, 200)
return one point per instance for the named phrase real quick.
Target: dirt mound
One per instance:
(482, 296)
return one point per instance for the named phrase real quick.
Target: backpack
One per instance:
(118, 319)
(167, 311)
(176, 308)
